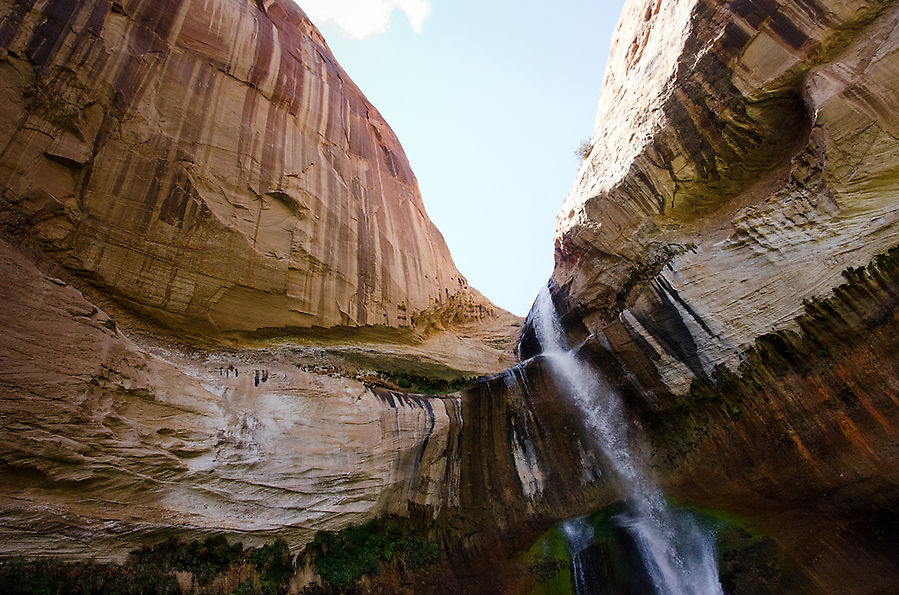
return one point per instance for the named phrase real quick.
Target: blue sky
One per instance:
(489, 100)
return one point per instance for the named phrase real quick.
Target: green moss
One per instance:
(344, 557)
(550, 563)
(748, 561)
(846, 33)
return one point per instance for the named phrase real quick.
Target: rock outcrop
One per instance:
(744, 157)
(212, 166)
(208, 166)
(730, 242)
(106, 444)
(110, 442)
(727, 258)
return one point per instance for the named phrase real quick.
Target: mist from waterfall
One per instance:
(678, 555)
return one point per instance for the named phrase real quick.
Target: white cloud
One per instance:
(362, 18)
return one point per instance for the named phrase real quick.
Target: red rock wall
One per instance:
(744, 156)
(210, 163)
(801, 441)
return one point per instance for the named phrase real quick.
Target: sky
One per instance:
(490, 100)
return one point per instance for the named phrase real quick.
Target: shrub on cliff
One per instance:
(151, 569)
(424, 384)
(204, 559)
(274, 564)
(583, 149)
(54, 577)
(344, 557)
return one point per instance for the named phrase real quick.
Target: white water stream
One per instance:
(579, 534)
(678, 555)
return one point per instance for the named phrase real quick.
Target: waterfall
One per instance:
(579, 534)
(677, 554)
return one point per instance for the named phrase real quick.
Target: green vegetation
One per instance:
(342, 558)
(52, 577)
(550, 563)
(274, 566)
(151, 570)
(426, 385)
(748, 561)
(204, 559)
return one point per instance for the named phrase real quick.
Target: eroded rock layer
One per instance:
(744, 157)
(727, 245)
(210, 164)
(730, 242)
(105, 444)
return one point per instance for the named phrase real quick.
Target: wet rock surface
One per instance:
(729, 244)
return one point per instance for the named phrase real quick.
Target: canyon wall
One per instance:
(218, 273)
(107, 444)
(725, 257)
(730, 242)
(744, 157)
(211, 165)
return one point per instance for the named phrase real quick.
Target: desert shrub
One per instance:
(343, 557)
(426, 385)
(205, 560)
(583, 149)
(150, 570)
(53, 577)
(274, 564)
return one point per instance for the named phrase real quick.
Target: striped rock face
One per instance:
(106, 443)
(210, 164)
(207, 165)
(730, 243)
(745, 155)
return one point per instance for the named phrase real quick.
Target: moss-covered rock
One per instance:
(748, 560)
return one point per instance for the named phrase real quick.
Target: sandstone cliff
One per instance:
(744, 157)
(729, 248)
(211, 165)
(106, 444)
(208, 166)
(727, 258)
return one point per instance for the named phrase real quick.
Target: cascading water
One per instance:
(579, 534)
(677, 554)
